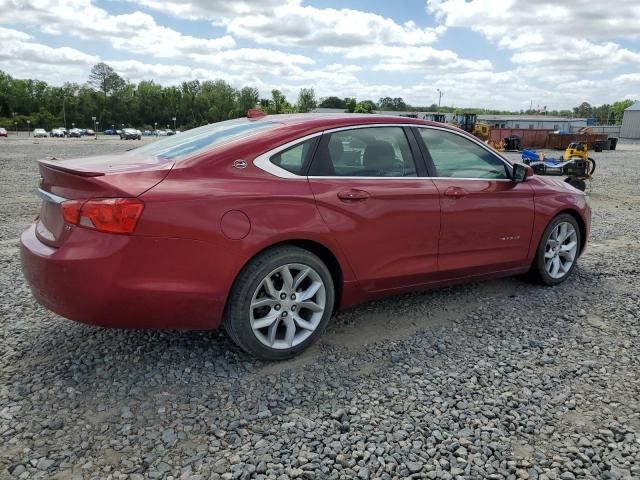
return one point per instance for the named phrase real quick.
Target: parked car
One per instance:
(40, 132)
(118, 132)
(109, 132)
(74, 133)
(266, 225)
(57, 132)
(146, 133)
(3, 132)
(160, 133)
(130, 134)
(89, 132)
(170, 132)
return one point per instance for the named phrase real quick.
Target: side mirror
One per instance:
(521, 172)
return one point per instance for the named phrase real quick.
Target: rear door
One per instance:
(487, 219)
(371, 192)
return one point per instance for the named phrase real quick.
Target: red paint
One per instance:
(204, 219)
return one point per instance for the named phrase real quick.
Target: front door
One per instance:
(385, 217)
(487, 219)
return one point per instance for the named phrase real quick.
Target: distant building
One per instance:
(631, 122)
(533, 122)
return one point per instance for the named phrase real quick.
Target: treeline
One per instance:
(114, 101)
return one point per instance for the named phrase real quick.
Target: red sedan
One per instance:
(267, 225)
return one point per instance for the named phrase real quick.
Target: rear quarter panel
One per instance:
(191, 202)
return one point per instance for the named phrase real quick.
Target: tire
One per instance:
(591, 166)
(540, 270)
(244, 315)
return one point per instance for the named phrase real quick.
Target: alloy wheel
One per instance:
(561, 250)
(287, 306)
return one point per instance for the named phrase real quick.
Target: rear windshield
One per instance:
(185, 144)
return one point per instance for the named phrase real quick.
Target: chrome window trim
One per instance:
(263, 161)
(50, 197)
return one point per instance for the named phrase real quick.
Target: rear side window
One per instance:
(293, 159)
(456, 156)
(185, 144)
(365, 152)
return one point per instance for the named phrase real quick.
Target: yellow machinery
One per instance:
(576, 150)
(468, 122)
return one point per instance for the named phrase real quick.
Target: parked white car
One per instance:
(40, 132)
(57, 132)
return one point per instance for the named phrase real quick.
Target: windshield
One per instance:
(182, 145)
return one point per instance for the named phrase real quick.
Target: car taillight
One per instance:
(113, 215)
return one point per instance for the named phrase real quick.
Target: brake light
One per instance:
(113, 215)
(71, 211)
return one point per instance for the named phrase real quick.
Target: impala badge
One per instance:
(240, 164)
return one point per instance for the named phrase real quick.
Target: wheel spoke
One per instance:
(273, 329)
(290, 332)
(302, 323)
(265, 321)
(568, 247)
(300, 277)
(287, 278)
(263, 302)
(549, 254)
(270, 288)
(562, 232)
(309, 305)
(555, 266)
(310, 291)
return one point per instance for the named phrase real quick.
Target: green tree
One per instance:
(350, 104)
(306, 100)
(584, 110)
(248, 97)
(333, 102)
(277, 101)
(365, 107)
(617, 110)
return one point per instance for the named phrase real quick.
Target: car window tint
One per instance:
(293, 158)
(365, 152)
(456, 156)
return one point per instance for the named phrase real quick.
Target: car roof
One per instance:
(341, 119)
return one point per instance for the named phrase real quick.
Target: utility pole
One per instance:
(440, 94)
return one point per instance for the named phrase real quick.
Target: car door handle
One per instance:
(455, 192)
(353, 194)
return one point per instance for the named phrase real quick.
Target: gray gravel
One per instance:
(500, 379)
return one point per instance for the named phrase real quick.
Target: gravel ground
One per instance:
(500, 379)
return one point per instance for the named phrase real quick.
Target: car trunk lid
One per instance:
(129, 175)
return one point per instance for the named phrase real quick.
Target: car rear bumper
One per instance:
(125, 281)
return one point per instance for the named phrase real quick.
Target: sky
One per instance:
(497, 54)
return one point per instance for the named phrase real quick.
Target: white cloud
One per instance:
(214, 10)
(18, 46)
(297, 25)
(551, 38)
(136, 32)
(411, 58)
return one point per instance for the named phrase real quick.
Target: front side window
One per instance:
(458, 157)
(365, 152)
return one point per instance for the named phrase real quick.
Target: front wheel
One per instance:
(280, 303)
(557, 251)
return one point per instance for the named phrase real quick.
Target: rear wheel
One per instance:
(558, 251)
(280, 303)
